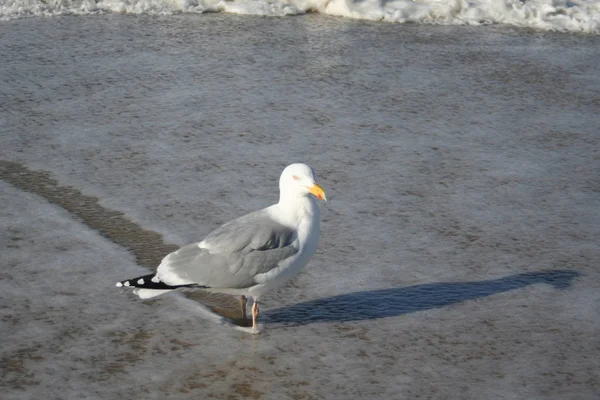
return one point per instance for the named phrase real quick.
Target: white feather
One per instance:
(150, 293)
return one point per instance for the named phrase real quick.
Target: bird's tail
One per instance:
(149, 286)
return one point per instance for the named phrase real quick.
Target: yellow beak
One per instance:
(317, 191)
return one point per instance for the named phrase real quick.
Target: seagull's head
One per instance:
(299, 179)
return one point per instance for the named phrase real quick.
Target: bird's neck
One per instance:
(297, 207)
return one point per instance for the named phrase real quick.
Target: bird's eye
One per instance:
(295, 177)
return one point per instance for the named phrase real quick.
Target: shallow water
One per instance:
(459, 248)
(578, 16)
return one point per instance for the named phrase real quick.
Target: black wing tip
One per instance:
(144, 282)
(147, 282)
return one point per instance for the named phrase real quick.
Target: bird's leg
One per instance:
(243, 302)
(255, 313)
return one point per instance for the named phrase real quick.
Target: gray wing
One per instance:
(232, 255)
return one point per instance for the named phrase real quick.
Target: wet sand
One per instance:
(148, 247)
(459, 250)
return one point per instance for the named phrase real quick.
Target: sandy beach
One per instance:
(459, 251)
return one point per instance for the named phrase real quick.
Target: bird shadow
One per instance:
(385, 303)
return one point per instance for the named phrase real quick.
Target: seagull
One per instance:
(250, 255)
